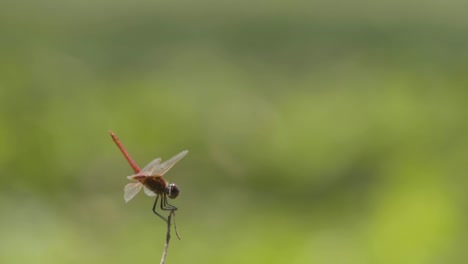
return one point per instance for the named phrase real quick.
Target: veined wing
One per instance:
(148, 169)
(131, 190)
(162, 168)
(148, 191)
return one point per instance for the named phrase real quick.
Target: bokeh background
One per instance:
(319, 131)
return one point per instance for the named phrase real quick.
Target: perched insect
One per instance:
(153, 183)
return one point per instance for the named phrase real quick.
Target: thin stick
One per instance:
(175, 225)
(168, 237)
(132, 163)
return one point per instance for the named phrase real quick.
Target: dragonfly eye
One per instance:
(172, 190)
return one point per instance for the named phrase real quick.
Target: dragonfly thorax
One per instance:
(156, 184)
(172, 190)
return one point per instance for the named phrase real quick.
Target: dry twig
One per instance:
(168, 236)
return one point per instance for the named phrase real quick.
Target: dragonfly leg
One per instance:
(168, 207)
(165, 205)
(154, 208)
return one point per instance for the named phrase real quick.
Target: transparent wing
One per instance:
(148, 169)
(162, 168)
(131, 190)
(148, 191)
(132, 177)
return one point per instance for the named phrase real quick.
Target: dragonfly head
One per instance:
(172, 190)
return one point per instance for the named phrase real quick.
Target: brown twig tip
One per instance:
(175, 225)
(168, 236)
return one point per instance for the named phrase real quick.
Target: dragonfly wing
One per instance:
(131, 190)
(146, 171)
(148, 191)
(132, 177)
(162, 168)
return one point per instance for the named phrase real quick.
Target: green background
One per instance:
(319, 131)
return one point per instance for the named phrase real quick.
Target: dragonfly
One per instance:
(150, 178)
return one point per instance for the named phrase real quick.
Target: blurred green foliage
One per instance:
(321, 132)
